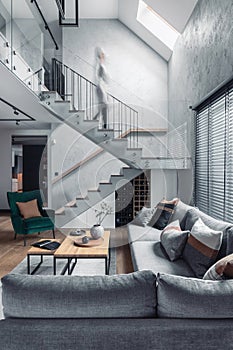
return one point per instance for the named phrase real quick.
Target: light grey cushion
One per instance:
(150, 255)
(182, 297)
(225, 227)
(130, 295)
(180, 211)
(148, 233)
(143, 217)
(202, 248)
(173, 240)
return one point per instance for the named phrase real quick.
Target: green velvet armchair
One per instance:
(34, 224)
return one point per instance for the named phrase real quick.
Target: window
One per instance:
(156, 25)
(214, 155)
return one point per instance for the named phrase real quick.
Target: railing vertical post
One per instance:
(72, 89)
(113, 119)
(79, 104)
(60, 79)
(121, 118)
(130, 121)
(86, 100)
(81, 94)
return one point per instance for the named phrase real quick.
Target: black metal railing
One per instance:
(122, 119)
(45, 23)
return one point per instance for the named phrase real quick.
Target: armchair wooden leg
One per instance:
(53, 233)
(38, 233)
(24, 240)
(15, 235)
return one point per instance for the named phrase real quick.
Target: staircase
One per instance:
(81, 204)
(73, 102)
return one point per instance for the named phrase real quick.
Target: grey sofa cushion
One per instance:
(182, 297)
(225, 227)
(202, 248)
(131, 295)
(143, 217)
(173, 240)
(163, 213)
(189, 219)
(137, 233)
(180, 211)
(150, 255)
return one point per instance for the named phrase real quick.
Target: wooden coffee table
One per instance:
(68, 250)
(40, 252)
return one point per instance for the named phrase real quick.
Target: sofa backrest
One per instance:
(185, 297)
(119, 296)
(137, 295)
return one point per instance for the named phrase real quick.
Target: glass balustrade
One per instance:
(25, 43)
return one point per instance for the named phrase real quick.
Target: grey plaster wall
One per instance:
(68, 148)
(138, 75)
(202, 58)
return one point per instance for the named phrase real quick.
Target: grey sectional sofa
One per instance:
(147, 252)
(160, 307)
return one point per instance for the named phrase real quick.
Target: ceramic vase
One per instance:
(97, 231)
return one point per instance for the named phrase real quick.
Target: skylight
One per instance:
(156, 25)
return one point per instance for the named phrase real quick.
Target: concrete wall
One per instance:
(138, 75)
(202, 59)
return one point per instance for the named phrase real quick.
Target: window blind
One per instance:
(214, 155)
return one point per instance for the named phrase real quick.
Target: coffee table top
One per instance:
(68, 250)
(41, 251)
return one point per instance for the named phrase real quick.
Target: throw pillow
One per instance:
(189, 219)
(163, 214)
(28, 209)
(221, 270)
(143, 216)
(173, 240)
(202, 248)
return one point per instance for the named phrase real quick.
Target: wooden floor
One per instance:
(12, 252)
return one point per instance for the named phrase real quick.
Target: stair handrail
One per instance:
(45, 24)
(89, 81)
(77, 165)
(63, 81)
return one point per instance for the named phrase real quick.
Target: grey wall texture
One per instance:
(138, 75)
(202, 60)
(202, 57)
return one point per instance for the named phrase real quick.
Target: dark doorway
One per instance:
(30, 164)
(32, 155)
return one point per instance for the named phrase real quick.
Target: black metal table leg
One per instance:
(28, 262)
(54, 265)
(37, 266)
